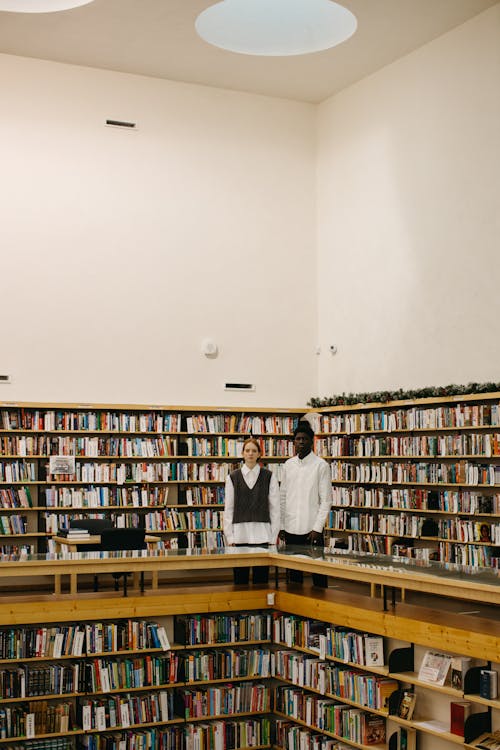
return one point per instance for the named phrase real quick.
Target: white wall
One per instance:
(120, 251)
(409, 219)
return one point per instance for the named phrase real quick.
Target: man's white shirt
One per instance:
(305, 494)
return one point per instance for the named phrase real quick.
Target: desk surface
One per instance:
(473, 584)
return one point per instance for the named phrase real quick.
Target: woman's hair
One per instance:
(252, 440)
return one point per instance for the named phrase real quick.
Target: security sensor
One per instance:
(209, 348)
(333, 349)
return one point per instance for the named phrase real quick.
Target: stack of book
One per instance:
(74, 533)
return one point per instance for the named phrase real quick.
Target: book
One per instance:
(373, 730)
(374, 650)
(459, 711)
(407, 705)
(459, 666)
(406, 738)
(434, 668)
(488, 684)
(487, 741)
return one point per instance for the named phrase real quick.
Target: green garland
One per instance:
(347, 399)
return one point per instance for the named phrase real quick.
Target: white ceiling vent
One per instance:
(123, 124)
(239, 387)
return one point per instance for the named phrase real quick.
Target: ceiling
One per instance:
(157, 38)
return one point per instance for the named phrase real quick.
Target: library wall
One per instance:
(121, 251)
(409, 176)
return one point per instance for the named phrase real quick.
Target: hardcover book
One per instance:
(488, 684)
(459, 711)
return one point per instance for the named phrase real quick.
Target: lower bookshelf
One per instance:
(221, 669)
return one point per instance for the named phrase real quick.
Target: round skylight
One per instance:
(276, 27)
(40, 6)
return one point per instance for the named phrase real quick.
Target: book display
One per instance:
(157, 468)
(419, 478)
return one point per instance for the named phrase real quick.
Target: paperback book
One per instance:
(434, 668)
(407, 705)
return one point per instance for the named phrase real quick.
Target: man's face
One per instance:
(303, 444)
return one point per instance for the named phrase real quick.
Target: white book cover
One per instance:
(163, 638)
(87, 718)
(105, 682)
(100, 718)
(78, 643)
(124, 715)
(30, 725)
(164, 706)
(58, 642)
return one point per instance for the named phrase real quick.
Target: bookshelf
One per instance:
(159, 467)
(416, 478)
(235, 670)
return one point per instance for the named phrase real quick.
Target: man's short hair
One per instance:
(304, 427)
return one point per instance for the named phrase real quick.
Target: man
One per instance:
(306, 498)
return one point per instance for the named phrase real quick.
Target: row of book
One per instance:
(201, 496)
(30, 680)
(223, 700)
(408, 525)
(18, 497)
(105, 675)
(412, 418)
(290, 736)
(99, 420)
(15, 551)
(246, 424)
(18, 471)
(222, 735)
(228, 664)
(326, 714)
(56, 641)
(404, 498)
(363, 649)
(47, 445)
(13, 524)
(36, 717)
(192, 630)
(105, 497)
(465, 444)
(149, 738)
(367, 690)
(145, 472)
(126, 709)
(462, 472)
(478, 556)
(102, 675)
(224, 446)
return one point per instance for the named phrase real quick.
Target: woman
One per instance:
(252, 509)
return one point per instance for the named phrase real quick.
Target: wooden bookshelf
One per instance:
(134, 464)
(416, 478)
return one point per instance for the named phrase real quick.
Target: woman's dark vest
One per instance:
(251, 504)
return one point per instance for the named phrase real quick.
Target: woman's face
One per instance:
(251, 455)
